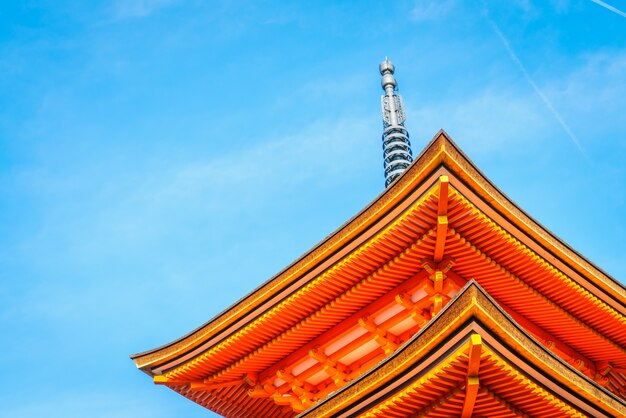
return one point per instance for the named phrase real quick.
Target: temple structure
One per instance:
(441, 298)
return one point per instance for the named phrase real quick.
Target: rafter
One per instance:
(576, 359)
(437, 404)
(503, 402)
(548, 301)
(573, 357)
(515, 245)
(371, 280)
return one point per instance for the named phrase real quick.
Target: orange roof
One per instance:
(473, 360)
(370, 286)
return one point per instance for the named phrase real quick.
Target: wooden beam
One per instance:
(440, 240)
(404, 299)
(442, 219)
(344, 373)
(211, 386)
(419, 280)
(438, 281)
(285, 399)
(437, 303)
(258, 392)
(472, 382)
(330, 366)
(446, 264)
(382, 338)
(161, 380)
(475, 351)
(251, 378)
(442, 205)
(438, 273)
(290, 400)
(458, 280)
(302, 390)
(420, 311)
(262, 391)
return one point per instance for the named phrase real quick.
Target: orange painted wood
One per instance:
(440, 243)
(471, 391)
(472, 382)
(348, 324)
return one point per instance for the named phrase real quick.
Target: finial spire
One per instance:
(396, 145)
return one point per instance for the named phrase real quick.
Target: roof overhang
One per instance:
(441, 206)
(441, 156)
(539, 378)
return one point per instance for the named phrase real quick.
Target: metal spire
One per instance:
(396, 145)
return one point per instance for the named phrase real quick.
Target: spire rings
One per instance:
(397, 154)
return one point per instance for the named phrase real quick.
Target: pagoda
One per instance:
(441, 298)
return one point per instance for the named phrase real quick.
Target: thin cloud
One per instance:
(122, 10)
(488, 122)
(609, 7)
(535, 87)
(430, 10)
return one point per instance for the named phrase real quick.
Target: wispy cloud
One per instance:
(609, 7)
(538, 91)
(136, 9)
(169, 197)
(595, 91)
(494, 120)
(430, 9)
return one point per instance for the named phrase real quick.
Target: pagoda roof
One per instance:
(473, 359)
(401, 259)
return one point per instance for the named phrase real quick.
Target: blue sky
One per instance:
(161, 158)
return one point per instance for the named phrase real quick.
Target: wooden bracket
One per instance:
(380, 335)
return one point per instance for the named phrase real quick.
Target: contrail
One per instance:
(536, 88)
(609, 7)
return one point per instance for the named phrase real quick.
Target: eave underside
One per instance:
(531, 290)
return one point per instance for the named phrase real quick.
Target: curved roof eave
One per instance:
(441, 150)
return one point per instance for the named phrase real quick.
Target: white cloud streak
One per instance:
(535, 87)
(122, 10)
(609, 7)
(489, 122)
(425, 10)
